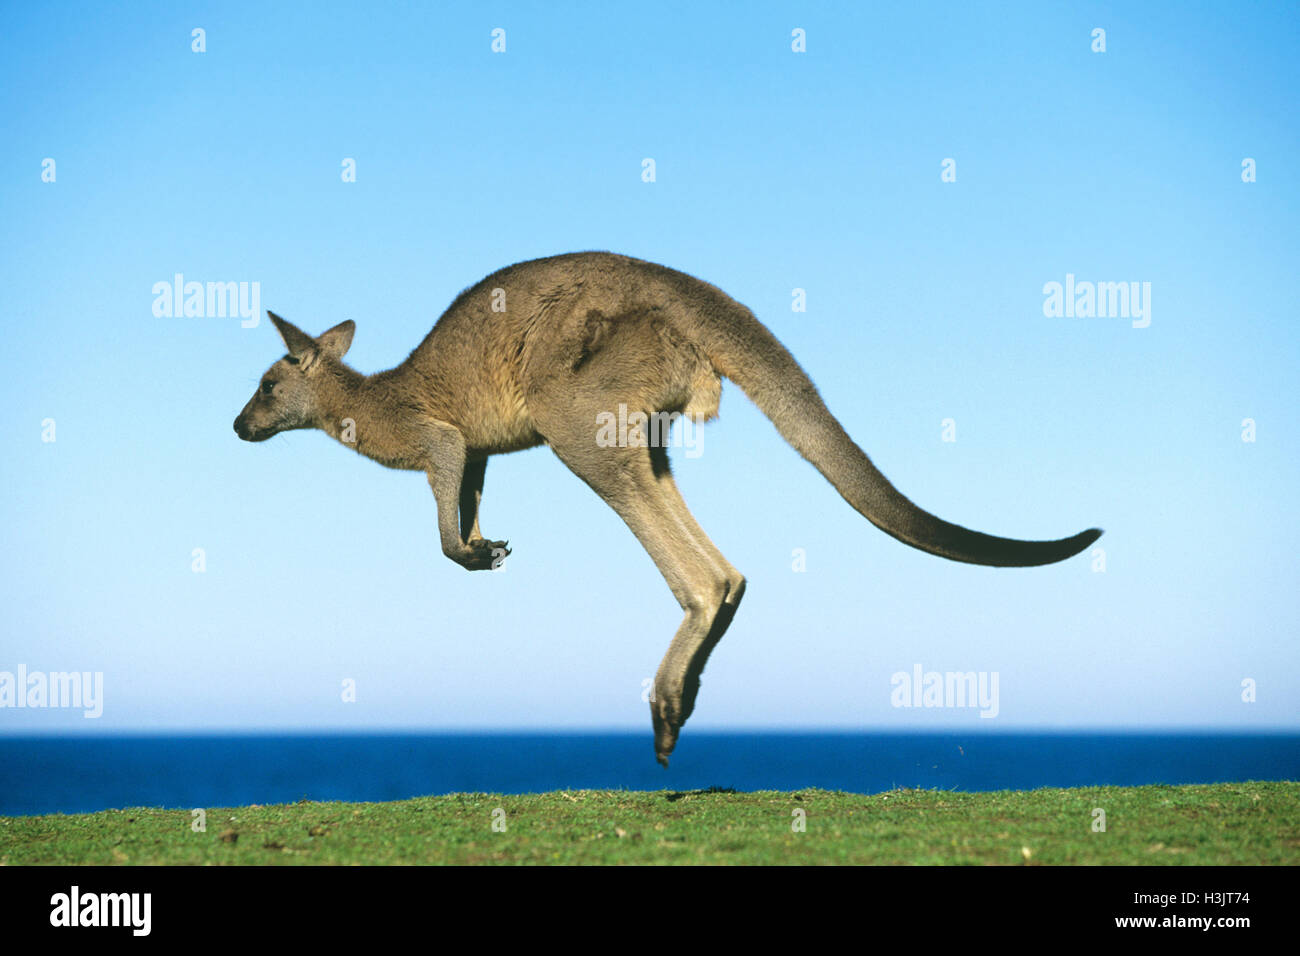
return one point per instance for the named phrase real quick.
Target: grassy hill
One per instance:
(1235, 823)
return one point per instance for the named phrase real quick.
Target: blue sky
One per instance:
(775, 170)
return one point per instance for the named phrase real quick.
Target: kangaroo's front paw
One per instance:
(483, 555)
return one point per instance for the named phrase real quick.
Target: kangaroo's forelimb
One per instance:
(471, 496)
(457, 489)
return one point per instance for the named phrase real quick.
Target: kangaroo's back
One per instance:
(535, 330)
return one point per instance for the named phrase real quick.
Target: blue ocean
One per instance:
(78, 774)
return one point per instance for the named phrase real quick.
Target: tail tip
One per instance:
(1085, 538)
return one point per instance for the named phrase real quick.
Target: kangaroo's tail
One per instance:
(741, 348)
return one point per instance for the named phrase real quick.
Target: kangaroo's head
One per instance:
(285, 398)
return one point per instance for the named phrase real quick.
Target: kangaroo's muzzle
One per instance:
(246, 433)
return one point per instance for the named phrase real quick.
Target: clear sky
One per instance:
(775, 171)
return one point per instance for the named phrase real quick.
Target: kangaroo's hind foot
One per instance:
(675, 686)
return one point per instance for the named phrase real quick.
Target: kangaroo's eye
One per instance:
(268, 387)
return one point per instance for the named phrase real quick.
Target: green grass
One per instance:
(1236, 823)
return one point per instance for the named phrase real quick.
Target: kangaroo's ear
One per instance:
(337, 340)
(298, 342)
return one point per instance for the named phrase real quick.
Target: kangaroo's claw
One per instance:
(483, 555)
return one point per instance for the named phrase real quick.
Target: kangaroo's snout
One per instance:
(246, 433)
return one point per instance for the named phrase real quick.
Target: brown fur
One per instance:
(581, 334)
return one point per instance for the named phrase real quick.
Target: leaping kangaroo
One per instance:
(536, 354)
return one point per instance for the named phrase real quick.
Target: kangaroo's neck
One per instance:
(365, 413)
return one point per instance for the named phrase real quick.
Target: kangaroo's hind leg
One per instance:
(678, 680)
(636, 483)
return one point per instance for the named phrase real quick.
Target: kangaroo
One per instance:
(537, 353)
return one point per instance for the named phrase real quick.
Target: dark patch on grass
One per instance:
(675, 795)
